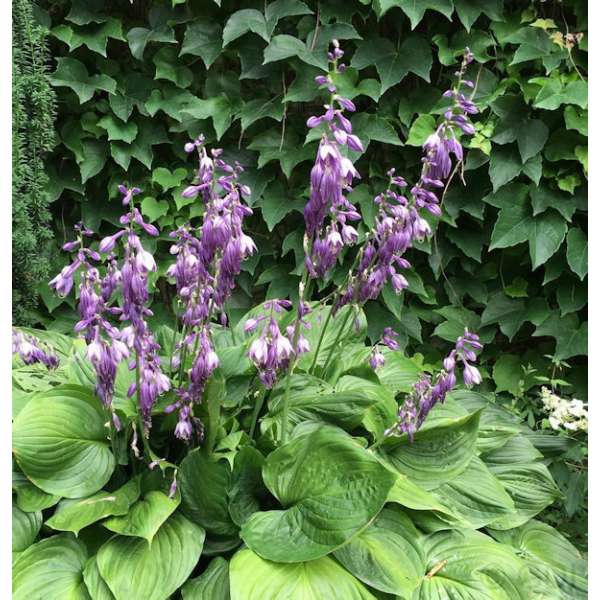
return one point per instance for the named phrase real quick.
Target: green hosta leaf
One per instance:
(140, 37)
(577, 245)
(439, 452)
(74, 515)
(545, 237)
(204, 484)
(242, 22)
(387, 555)
(399, 372)
(312, 399)
(203, 39)
(217, 108)
(52, 568)
(29, 497)
(247, 486)
(96, 586)
(309, 477)
(25, 528)
(531, 487)
(212, 584)
(475, 497)
(550, 556)
(394, 64)
(145, 516)
(422, 127)
(416, 10)
(472, 566)
(73, 74)
(69, 424)
(95, 37)
(517, 450)
(117, 130)
(408, 494)
(133, 569)
(252, 577)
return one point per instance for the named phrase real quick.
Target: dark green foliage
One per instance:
(33, 138)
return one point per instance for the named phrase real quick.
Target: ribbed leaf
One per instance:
(59, 441)
(25, 527)
(213, 584)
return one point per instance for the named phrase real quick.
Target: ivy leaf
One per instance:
(570, 336)
(282, 47)
(423, 126)
(167, 67)
(243, 21)
(375, 128)
(506, 374)
(117, 130)
(505, 165)
(73, 74)
(553, 93)
(139, 37)
(170, 99)
(202, 38)
(531, 138)
(95, 37)
(217, 108)
(154, 209)
(513, 225)
(544, 197)
(546, 235)
(275, 204)
(260, 108)
(577, 119)
(577, 248)
(289, 153)
(468, 11)
(414, 56)
(571, 297)
(510, 314)
(284, 8)
(167, 179)
(416, 10)
(94, 159)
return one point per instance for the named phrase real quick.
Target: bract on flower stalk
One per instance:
(208, 259)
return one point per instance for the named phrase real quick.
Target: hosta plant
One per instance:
(279, 456)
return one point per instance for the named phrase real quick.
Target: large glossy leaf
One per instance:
(132, 568)
(74, 515)
(438, 454)
(96, 586)
(252, 577)
(474, 498)
(551, 558)
(247, 487)
(330, 489)
(312, 399)
(387, 555)
(204, 483)
(29, 497)
(469, 565)
(59, 441)
(52, 568)
(25, 527)
(212, 584)
(399, 372)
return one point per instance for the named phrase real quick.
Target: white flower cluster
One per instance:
(570, 414)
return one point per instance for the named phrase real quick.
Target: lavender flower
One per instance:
(426, 393)
(31, 350)
(398, 223)
(208, 260)
(331, 178)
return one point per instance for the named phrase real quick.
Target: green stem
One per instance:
(256, 412)
(304, 291)
(147, 450)
(320, 342)
(338, 336)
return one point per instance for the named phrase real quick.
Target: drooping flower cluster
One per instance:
(387, 339)
(31, 350)
(272, 350)
(328, 213)
(208, 260)
(105, 346)
(426, 393)
(398, 223)
(563, 413)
